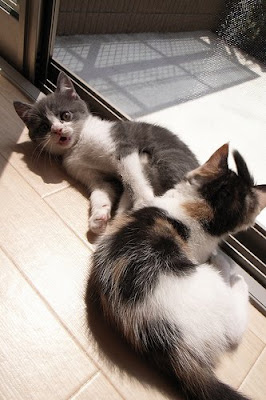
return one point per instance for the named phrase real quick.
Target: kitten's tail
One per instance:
(198, 382)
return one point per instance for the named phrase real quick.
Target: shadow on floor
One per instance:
(48, 167)
(146, 72)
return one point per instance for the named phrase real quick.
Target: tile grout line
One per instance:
(59, 320)
(255, 334)
(252, 366)
(47, 304)
(250, 327)
(56, 191)
(72, 397)
(94, 376)
(87, 244)
(20, 174)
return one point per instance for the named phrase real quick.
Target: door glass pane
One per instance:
(200, 79)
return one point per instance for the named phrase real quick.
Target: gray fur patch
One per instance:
(169, 158)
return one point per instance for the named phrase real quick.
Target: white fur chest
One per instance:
(95, 150)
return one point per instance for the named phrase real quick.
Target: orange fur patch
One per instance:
(119, 222)
(162, 227)
(118, 268)
(198, 210)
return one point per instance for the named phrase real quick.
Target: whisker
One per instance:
(42, 144)
(36, 152)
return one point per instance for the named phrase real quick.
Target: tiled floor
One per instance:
(46, 349)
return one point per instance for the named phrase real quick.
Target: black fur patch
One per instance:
(226, 195)
(138, 280)
(242, 168)
(163, 246)
(214, 389)
(159, 337)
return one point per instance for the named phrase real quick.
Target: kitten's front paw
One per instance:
(99, 219)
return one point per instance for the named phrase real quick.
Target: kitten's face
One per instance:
(55, 121)
(225, 201)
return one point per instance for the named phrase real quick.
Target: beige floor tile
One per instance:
(98, 388)
(42, 173)
(39, 360)
(72, 204)
(255, 383)
(132, 389)
(257, 323)
(234, 367)
(46, 251)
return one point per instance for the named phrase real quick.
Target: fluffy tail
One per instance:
(212, 390)
(198, 382)
(190, 374)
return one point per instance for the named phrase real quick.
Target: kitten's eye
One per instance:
(66, 116)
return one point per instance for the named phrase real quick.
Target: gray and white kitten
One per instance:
(98, 152)
(154, 280)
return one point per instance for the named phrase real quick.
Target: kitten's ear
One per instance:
(261, 194)
(242, 168)
(219, 158)
(23, 110)
(65, 86)
(216, 164)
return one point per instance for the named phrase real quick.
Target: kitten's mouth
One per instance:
(64, 140)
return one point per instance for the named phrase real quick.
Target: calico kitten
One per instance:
(98, 152)
(156, 284)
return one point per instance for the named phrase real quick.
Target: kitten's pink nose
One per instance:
(56, 129)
